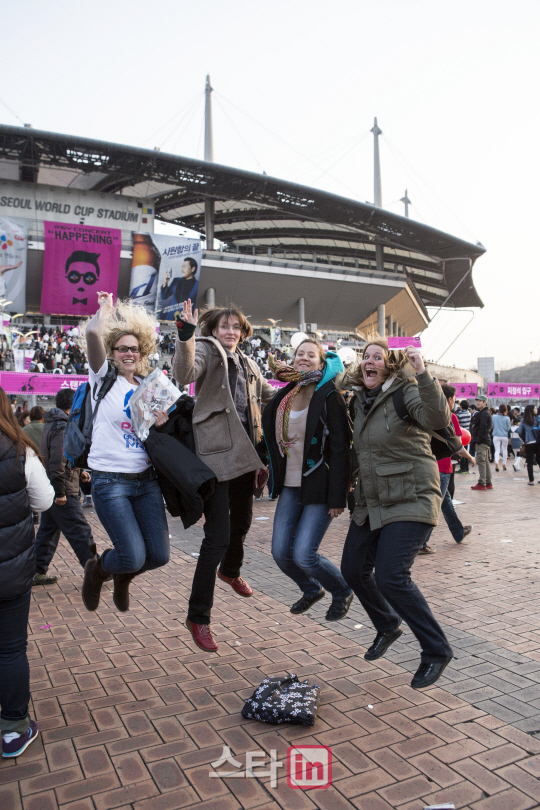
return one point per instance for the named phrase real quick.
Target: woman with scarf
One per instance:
(306, 429)
(398, 499)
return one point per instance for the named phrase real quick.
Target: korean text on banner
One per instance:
(79, 260)
(13, 250)
(513, 390)
(14, 382)
(179, 274)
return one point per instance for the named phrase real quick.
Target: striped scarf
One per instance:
(287, 374)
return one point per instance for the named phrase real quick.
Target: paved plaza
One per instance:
(132, 714)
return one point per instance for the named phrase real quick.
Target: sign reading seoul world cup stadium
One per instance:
(79, 261)
(165, 273)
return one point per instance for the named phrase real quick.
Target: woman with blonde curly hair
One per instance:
(126, 494)
(398, 499)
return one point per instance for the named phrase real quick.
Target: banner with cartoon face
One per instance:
(79, 261)
(13, 246)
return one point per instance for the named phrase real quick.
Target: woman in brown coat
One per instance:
(229, 389)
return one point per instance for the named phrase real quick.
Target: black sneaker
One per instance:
(427, 674)
(381, 644)
(306, 602)
(339, 608)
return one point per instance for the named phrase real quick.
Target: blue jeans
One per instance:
(133, 515)
(298, 532)
(453, 522)
(390, 593)
(14, 669)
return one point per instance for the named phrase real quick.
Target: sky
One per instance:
(297, 84)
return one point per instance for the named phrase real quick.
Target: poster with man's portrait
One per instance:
(179, 274)
(79, 261)
(13, 250)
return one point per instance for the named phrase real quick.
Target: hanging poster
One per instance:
(467, 390)
(79, 260)
(179, 274)
(42, 384)
(13, 246)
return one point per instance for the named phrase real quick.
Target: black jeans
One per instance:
(14, 669)
(228, 516)
(69, 520)
(532, 454)
(390, 593)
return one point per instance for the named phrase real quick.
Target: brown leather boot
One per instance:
(121, 590)
(94, 577)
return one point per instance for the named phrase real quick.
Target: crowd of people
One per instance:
(330, 438)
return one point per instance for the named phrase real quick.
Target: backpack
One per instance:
(444, 442)
(78, 430)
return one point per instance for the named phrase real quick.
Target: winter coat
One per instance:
(34, 431)
(398, 477)
(185, 481)
(17, 556)
(221, 441)
(326, 471)
(481, 427)
(64, 480)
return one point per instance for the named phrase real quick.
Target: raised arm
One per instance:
(426, 404)
(189, 364)
(94, 331)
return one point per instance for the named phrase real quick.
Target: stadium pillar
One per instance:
(302, 314)
(210, 297)
(406, 202)
(377, 192)
(209, 156)
(389, 325)
(380, 320)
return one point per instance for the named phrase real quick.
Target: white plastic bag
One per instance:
(155, 393)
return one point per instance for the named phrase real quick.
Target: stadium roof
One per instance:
(255, 214)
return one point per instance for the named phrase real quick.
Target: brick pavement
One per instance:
(131, 714)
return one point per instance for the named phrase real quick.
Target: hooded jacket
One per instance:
(398, 477)
(65, 481)
(221, 441)
(326, 468)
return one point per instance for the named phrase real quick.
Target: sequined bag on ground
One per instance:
(283, 700)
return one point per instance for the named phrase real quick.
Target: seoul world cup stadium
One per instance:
(306, 258)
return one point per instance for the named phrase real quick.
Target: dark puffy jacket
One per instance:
(64, 480)
(17, 556)
(326, 474)
(481, 427)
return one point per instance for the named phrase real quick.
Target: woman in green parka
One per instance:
(398, 499)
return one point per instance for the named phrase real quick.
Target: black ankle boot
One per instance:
(94, 577)
(121, 590)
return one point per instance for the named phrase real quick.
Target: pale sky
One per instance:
(297, 84)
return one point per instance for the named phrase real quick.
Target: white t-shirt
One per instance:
(115, 446)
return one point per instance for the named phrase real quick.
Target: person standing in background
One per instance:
(464, 418)
(501, 434)
(481, 437)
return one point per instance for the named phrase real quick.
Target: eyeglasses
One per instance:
(126, 349)
(74, 277)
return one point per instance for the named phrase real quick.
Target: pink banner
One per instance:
(79, 261)
(513, 390)
(465, 390)
(19, 382)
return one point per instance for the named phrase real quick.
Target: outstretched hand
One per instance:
(187, 313)
(106, 303)
(415, 358)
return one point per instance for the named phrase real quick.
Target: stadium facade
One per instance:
(286, 251)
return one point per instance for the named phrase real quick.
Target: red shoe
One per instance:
(480, 486)
(237, 584)
(489, 486)
(202, 636)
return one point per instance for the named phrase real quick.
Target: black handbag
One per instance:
(283, 700)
